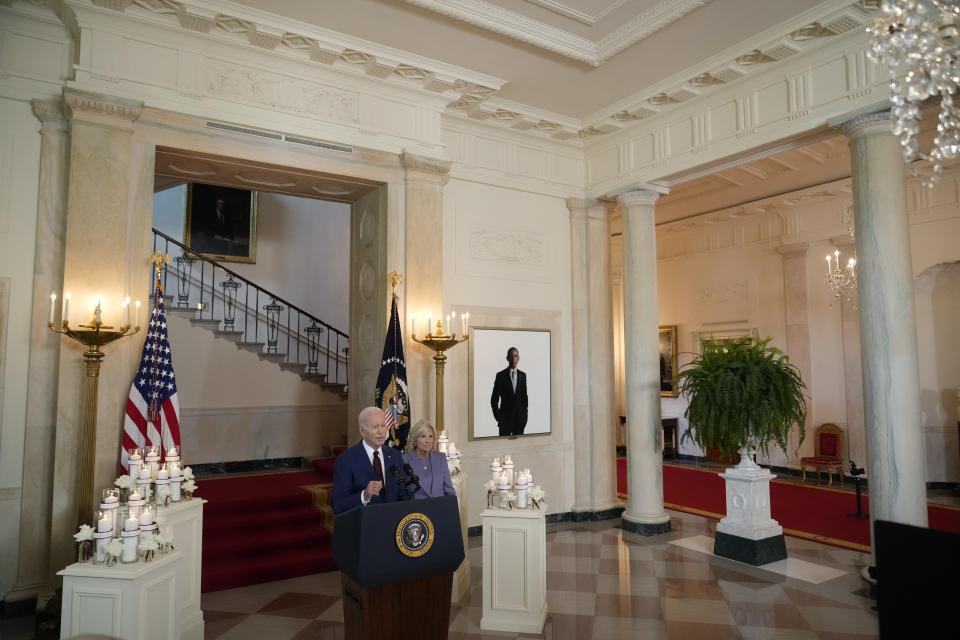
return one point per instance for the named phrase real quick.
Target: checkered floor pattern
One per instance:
(603, 584)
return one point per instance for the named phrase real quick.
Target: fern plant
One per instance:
(742, 393)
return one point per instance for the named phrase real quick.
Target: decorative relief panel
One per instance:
(726, 293)
(506, 246)
(281, 93)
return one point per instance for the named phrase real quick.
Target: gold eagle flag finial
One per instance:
(395, 280)
(158, 259)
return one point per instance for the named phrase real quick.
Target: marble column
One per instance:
(41, 416)
(798, 322)
(888, 335)
(645, 513)
(852, 374)
(423, 278)
(594, 425)
(106, 251)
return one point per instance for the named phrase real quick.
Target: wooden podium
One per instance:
(396, 563)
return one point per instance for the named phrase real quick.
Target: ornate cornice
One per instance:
(89, 105)
(424, 164)
(866, 125)
(794, 250)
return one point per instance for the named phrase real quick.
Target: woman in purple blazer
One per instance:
(429, 465)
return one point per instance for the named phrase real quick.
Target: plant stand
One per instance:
(748, 534)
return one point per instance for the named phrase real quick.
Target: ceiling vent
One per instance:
(270, 135)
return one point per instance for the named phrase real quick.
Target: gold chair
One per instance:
(828, 452)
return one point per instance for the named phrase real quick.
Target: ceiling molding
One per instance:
(581, 17)
(593, 52)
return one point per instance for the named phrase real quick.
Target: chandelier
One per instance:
(842, 282)
(919, 42)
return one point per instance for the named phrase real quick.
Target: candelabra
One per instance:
(440, 342)
(842, 282)
(93, 336)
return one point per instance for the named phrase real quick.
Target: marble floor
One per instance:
(606, 584)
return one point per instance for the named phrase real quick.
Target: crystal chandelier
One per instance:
(842, 282)
(919, 42)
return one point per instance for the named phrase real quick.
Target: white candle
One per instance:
(172, 452)
(66, 307)
(111, 498)
(448, 321)
(138, 312)
(97, 310)
(466, 323)
(104, 522)
(101, 550)
(463, 324)
(163, 474)
(134, 496)
(53, 305)
(175, 487)
(522, 497)
(129, 549)
(175, 470)
(145, 473)
(413, 324)
(131, 524)
(126, 310)
(429, 317)
(146, 516)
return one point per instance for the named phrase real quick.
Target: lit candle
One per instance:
(111, 498)
(176, 477)
(97, 310)
(135, 496)
(104, 522)
(138, 312)
(145, 473)
(429, 317)
(53, 305)
(172, 452)
(66, 306)
(466, 323)
(134, 463)
(163, 474)
(146, 517)
(463, 324)
(413, 324)
(130, 537)
(131, 524)
(126, 309)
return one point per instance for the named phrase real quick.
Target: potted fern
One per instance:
(743, 396)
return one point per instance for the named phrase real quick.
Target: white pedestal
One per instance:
(185, 518)
(748, 504)
(136, 601)
(514, 570)
(461, 577)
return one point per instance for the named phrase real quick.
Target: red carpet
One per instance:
(805, 511)
(260, 528)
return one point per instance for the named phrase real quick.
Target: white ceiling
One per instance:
(572, 58)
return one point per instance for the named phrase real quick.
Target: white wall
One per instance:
(19, 170)
(506, 260)
(303, 250)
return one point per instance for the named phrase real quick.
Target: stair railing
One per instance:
(252, 313)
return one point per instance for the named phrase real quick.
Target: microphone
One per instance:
(404, 484)
(414, 478)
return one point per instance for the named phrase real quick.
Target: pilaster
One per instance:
(797, 315)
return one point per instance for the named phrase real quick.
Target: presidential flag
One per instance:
(391, 392)
(153, 411)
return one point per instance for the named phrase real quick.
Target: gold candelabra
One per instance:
(439, 342)
(92, 336)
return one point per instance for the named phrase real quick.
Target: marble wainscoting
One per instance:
(231, 434)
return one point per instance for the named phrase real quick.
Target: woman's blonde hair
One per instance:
(418, 430)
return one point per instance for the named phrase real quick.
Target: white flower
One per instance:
(511, 496)
(126, 482)
(189, 485)
(85, 533)
(114, 547)
(187, 473)
(489, 485)
(147, 542)
(163, 492)
(536, 493)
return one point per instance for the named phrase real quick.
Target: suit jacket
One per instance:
(433, 483)
(353, 470)
(509, 407)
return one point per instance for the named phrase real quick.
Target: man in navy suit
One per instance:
(509, 398)
(361, 475)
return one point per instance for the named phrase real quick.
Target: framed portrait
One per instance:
(668, 361)
(221, 222)
(505, 400)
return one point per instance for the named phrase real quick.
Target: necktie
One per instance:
(513, 378)
(377, 467)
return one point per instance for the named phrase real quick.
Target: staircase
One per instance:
(208, 294)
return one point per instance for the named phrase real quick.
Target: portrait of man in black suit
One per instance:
(221, 222)
(509, 398)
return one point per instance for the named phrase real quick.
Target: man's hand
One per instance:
(373, 489)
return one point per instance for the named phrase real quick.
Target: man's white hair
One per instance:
(364, 414)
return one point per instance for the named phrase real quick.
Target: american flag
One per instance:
(153, 411)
